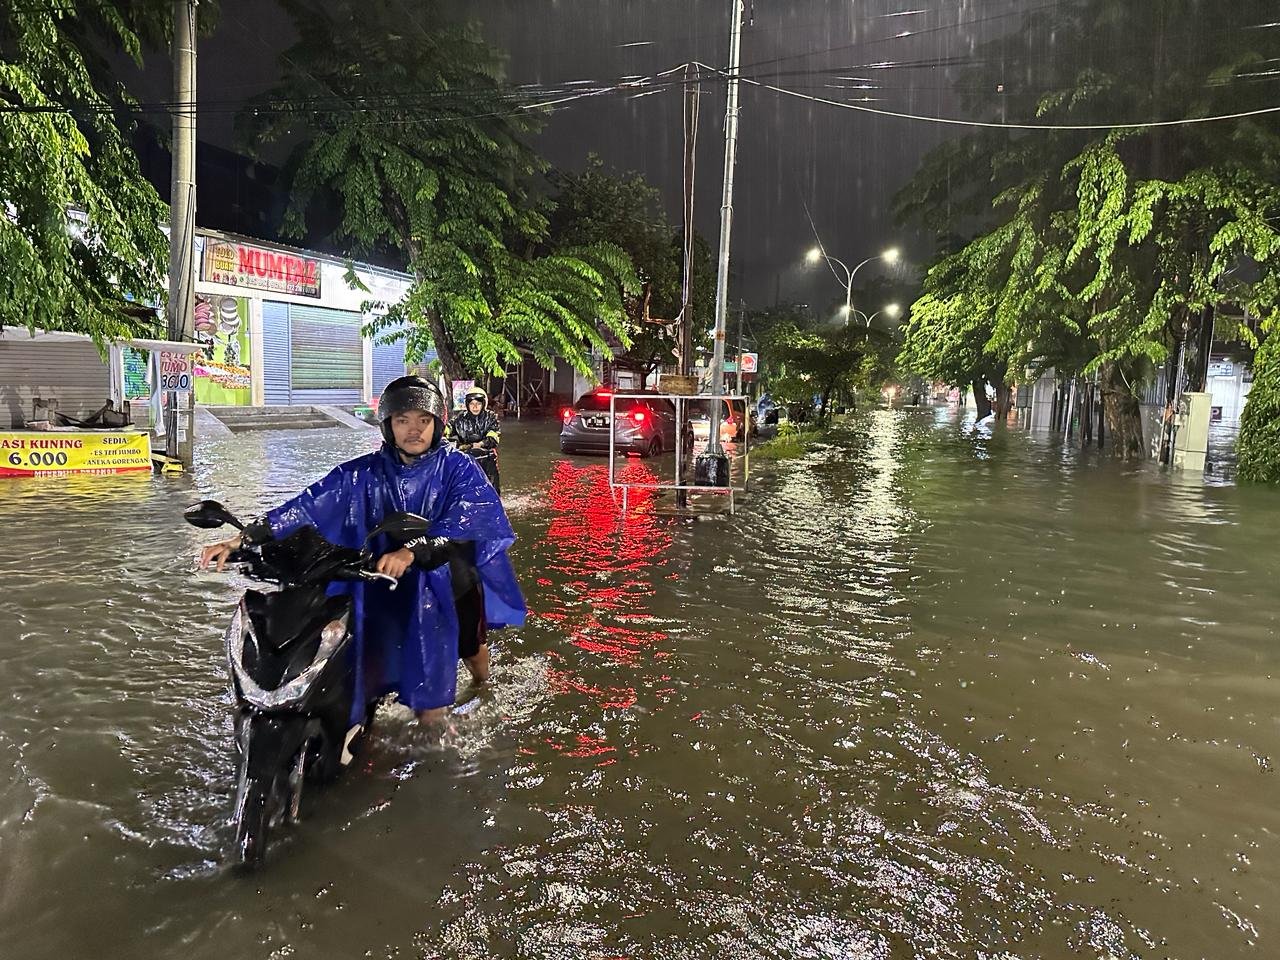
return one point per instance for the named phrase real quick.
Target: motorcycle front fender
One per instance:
(266, 745)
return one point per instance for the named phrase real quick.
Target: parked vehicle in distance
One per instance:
(645, 426)
(735, 423)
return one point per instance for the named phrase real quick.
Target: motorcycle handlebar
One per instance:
(253, 565)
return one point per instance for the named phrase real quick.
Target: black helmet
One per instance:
(405, 394)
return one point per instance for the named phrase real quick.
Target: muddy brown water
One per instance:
(930, 693)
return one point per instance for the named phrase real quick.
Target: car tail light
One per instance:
(566, 414)
(638, 416)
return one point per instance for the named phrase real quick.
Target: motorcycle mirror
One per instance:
(210, 514)
(402, 527)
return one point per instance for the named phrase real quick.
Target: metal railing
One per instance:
(682, 422)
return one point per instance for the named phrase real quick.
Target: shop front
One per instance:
(284, 327)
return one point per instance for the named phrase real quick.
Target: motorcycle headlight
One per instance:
(331, 636)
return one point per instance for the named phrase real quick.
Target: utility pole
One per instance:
(182, 199)
(692, 97)
(684, 331)
(713, 466)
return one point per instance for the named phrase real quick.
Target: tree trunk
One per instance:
(980, 398)
(1102, 416)
(1124, 414)
(450, 363)
(822, 411)
(1004, 400)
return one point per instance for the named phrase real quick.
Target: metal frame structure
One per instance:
(679, 400)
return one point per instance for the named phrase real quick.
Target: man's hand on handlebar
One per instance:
(395, 564)
(218, 553)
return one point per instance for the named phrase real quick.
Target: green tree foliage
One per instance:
(79, 226)
(1096, 249)
(594, 206)
(826, 362)
(767, 328)
(404, 126)
(1259, 444)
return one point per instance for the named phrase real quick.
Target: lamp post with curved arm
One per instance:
(889, 310)
(818, 253)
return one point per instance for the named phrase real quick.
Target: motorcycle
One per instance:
(487, 460)
(288, 658)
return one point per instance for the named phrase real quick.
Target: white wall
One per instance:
(1229, 393)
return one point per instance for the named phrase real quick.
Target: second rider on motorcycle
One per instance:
(477, 432)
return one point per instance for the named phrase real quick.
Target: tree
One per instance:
(826, 362)
(410, 131)
(594, 206)
(1099, 247)
(79, 225)
(1259, 445)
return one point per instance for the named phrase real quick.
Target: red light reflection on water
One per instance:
(607, 563)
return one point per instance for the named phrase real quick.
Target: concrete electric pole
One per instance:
(712, 467)
(182, 203)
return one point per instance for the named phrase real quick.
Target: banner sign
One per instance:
(750, 362)
(240, 265)
(57, 454)
(222, 370)
(460, 388)
(177, 372)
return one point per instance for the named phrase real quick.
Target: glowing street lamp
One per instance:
(818, 254)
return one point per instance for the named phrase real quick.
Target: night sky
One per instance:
(846, 166)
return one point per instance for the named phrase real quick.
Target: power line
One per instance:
(987, 124)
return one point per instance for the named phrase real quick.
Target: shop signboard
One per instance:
(750, 362)
(177, 372)
(59, 453)
(256, 268)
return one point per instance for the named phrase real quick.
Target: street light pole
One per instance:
(713, 467)
(818, 253)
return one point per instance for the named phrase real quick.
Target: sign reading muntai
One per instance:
(240, 265)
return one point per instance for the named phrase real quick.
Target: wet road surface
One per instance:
(930, 693)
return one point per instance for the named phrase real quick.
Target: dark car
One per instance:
(646, 426)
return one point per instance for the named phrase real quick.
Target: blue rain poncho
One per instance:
(406, 640)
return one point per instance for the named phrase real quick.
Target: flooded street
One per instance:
(930, 693)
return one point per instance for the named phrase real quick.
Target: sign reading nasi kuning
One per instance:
(56, 454)
(240, 265)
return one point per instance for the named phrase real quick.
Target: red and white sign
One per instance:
(240, 265)
(750, 362)
(177, 372)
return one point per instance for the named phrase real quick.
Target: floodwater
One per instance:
(930, 693)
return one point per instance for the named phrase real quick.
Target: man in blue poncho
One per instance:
(455, 583)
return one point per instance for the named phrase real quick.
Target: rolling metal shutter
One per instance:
(71, 372)
(275, 344)
(326, 356)
(388, 362)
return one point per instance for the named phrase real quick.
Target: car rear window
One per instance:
(599, 401)
(702, 408)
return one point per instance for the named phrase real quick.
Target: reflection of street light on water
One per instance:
(817, 254)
